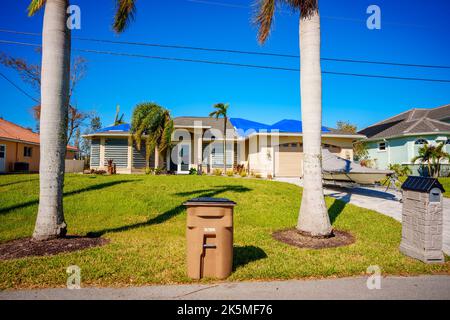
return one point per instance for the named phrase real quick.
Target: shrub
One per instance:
(400, 170)
(159, 171)
(193, 171)
(217, 172)
(258, 176)
(243, 174)
(149, 170)
(230, 173)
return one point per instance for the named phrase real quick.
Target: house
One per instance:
(397, 140)
(275, 150)
(19, 148)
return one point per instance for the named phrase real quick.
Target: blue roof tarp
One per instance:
(119, 128)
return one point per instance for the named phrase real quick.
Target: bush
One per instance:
(243, 174)
(400, 170)
(193, 171)
(230, 173)
(159, 171)
(258, 176)
(217, 172)
(149, 170)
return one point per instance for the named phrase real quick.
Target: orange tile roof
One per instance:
(12, 131)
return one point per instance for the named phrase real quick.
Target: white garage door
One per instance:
(289, 160)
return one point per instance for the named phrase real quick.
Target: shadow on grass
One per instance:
(66, 194)
(163, 217)
(336, 209)
(17, 182)
(243, 255)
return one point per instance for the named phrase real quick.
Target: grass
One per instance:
(145, 221)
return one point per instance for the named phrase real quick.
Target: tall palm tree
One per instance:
(118, 119)
(439, 154)
(222, 112)
(313, 218)
(425, 156)
(154, 123)
(55, 85)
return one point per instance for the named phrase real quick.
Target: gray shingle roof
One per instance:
(205, 121)
(410, 122)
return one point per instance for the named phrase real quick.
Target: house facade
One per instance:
(20, 150)
(197, 142)
(398, 139)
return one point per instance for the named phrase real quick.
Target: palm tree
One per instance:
(437, 155)
(425, 156)
(55, 85)
(221, 112)
(153, 122)
(313, 218)
(118, 120)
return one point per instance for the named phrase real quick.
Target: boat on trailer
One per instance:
(339, 171)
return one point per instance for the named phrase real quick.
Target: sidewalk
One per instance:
(422, 287)
(379, 200)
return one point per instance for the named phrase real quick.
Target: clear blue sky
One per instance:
(412, 32)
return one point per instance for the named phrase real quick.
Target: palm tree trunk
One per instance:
(313, 218)
(225, 146)
(54, 101)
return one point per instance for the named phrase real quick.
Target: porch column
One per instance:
(198, 144)
(130, 154)
(102, 153)
(156, 157)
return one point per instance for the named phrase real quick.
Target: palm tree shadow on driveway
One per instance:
(163, 217)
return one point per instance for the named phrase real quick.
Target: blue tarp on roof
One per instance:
(119, 128)
(246, 127)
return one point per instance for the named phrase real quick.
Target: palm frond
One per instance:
(126, 11)
(264, 18)
(35, 5)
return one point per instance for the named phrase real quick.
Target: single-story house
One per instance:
(397, 140)
(275, 150)
(19, 148)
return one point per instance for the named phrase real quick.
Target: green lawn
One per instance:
(145, 221)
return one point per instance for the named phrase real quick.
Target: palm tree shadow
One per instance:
(243, 255)
(163, 217)
(67, 194)
(336, 209)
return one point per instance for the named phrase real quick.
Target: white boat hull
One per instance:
(360, 178)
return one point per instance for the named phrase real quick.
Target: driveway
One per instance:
(380, 200)
(422, 287)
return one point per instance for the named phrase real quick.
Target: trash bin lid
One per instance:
(209, 201)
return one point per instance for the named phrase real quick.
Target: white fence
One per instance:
(74, 166)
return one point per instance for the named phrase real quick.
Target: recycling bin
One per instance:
(209, 235)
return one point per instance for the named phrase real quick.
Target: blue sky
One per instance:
(410, 33)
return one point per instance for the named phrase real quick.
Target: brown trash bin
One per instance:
(209, 236)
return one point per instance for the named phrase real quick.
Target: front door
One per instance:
(2, 157)
(183, 158)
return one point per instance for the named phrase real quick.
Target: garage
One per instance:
(289, 160)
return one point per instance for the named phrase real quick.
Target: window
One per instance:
(421, 141)
(382, 146)
(27, 151)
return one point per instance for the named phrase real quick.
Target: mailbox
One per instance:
(209, 236)
(422, 219)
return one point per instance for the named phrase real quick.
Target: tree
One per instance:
(118, 120)
(31, 74)
(425, 156)
(439, 154)
(347, 127)
(95, 125)
(222, 112)
(55, 88)
(153, 123)
(313, 218)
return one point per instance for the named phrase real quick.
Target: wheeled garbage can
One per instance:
(209, 236)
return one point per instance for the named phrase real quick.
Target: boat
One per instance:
(337, 170)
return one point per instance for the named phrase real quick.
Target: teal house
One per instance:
(397, 140)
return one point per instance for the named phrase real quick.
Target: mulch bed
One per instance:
(295, 238)
(27, 247)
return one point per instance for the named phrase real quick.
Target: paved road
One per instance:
(422, 287)
(379, 200)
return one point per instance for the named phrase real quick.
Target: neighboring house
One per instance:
(275, 150)
(398, 139)
(19, 148)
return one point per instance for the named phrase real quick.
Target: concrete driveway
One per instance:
(380, 200)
